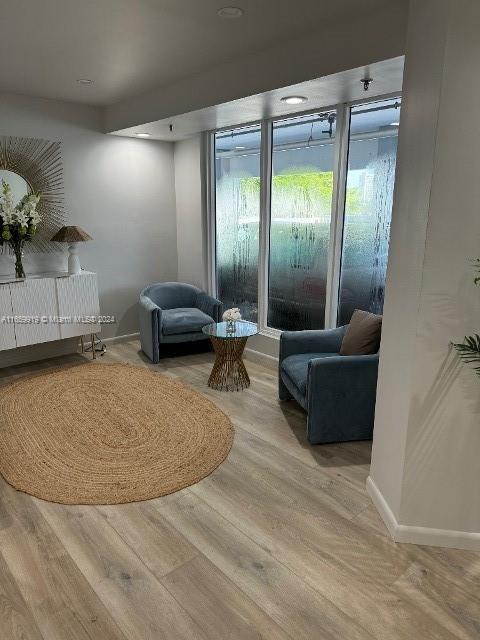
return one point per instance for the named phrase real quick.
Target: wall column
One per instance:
(425, 477)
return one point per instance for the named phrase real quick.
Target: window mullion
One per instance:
(210, 213)
(338, 215)
(264, 227)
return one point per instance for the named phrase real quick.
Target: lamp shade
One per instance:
(71, 234)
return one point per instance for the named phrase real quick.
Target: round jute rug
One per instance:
(107, 434)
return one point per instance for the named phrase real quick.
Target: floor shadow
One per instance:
(325, 455)
(29, 368)
(203, 352)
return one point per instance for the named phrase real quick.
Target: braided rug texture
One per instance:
(107, 434)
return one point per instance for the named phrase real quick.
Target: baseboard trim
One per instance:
(270, 362)
(124, 338)
(408, 534)
(382, 507)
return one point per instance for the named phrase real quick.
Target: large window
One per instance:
(237, 198)
(368, 207)
(301, 209)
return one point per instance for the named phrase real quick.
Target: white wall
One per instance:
(191, 225)
(120, 190)
(424, 473)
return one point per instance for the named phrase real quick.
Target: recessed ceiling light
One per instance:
(230, 12)
(143, 135)
(84, 81)
(240, 148)
(294, 99)
(394, 124)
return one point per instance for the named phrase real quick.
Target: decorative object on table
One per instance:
(338, 392)
(231, 316)
(174, 312)
(18, 222)
(469, 349)
(72, 236)
(229, 372)
(34, 166)
(115, 434)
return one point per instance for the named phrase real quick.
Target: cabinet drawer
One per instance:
(35, 297)
(7, 329)
(78, 296)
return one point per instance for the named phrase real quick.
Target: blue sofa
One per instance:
(338, 392)
(173, 312)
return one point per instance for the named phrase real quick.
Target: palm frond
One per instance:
(476, 264)
(469, 351)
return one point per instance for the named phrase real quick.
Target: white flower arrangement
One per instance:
(232, 315)
(18, 223)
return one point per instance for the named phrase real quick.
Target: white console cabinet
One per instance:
(47, 307)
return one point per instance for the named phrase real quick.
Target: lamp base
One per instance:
(74, 267)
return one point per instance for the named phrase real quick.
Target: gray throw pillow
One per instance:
(363, 334)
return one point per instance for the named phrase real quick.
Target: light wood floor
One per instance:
(280, 542)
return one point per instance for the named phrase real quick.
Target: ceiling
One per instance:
(382, 117)
(321, 93)
(131, 46)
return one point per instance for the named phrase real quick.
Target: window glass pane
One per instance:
(237, 194)
(302, 186)
(368, 207)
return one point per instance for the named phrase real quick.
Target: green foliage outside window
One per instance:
(314, 186)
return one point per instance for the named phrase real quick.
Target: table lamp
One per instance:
(72, 236)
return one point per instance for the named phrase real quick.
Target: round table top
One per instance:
(242, 329)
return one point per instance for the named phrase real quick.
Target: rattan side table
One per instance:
(229, 340)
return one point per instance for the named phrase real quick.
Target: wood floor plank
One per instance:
(59, 598)
(222, 610)
(161, 547)
(299, 480)
(293, 605)
(16, 620)
(330, 552)
(434, 592)
(143, 608)
(281, 541)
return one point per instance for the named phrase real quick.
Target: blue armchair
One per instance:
(173, 312)
(338, 392)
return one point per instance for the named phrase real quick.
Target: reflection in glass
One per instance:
(368, 207)
(237, 329)
(18, 184)
(301, 201)
(237, 193)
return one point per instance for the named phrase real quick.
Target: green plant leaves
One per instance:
(469, 351)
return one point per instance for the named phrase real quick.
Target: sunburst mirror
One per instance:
(30, 164)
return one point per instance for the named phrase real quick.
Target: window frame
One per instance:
(337, 220)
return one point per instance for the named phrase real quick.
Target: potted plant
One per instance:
(18, 223)
(469, 349)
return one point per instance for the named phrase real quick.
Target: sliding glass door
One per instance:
(372, 156)
(301, 205)
(300, 211)
(237, 200)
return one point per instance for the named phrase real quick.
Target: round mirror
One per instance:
(18, 184)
